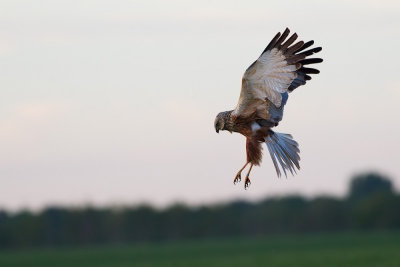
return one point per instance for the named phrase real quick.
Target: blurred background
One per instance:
(108, 156)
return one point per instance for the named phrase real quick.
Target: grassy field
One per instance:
(345, 249)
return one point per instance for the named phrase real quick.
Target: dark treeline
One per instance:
(370, 204)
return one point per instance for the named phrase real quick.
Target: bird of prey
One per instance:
(279, 70)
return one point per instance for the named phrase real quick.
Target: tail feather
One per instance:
(283, 150)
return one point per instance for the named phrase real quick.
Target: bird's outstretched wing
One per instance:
(279, 69)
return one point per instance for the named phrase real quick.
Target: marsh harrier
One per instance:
(265, 86)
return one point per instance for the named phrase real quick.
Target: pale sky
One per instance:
(113, 102)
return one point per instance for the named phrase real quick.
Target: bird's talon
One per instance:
(247, 183)
(237, 179)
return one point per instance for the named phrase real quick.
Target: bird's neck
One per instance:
(239, 124)
(229, 126)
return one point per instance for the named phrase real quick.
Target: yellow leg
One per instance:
(247, 182)
(238, 177)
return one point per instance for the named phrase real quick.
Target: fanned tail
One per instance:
(283, 150)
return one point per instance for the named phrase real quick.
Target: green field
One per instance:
(350, 249)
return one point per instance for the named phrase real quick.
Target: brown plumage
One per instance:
(265, 86)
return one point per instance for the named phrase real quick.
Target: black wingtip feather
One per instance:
(309, 70)
(272, 42)
(282, 38)
(311, 51)
(311, 61)
(305, 46)
(317, 49)
(289, 41)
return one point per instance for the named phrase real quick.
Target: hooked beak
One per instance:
(217, 130)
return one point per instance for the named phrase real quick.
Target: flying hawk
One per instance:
(265, 86)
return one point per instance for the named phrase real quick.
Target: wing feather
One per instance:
(279, 69)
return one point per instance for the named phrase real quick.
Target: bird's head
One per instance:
(221, 121)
